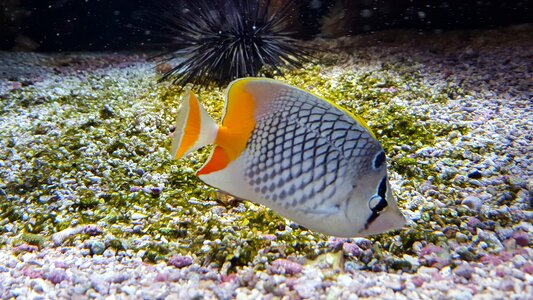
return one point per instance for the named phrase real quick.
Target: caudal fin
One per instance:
(194, 127)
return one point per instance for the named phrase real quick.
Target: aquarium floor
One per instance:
(93, 206)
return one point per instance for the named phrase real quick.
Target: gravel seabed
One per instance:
(494, 68)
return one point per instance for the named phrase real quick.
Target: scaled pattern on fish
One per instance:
(302, 156)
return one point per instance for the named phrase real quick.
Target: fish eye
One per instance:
(374, 202)
(379, 159)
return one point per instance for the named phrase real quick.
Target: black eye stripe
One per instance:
(382, 188)
(376, 210)
(379, 159)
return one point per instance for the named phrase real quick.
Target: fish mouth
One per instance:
(388, 220)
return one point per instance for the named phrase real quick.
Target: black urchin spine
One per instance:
(217, 41)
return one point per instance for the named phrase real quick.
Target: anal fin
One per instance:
(218, 160)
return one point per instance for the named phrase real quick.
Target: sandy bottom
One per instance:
(484, 173)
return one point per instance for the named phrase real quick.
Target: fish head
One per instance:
(372, 207)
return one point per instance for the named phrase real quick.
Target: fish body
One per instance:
(302, 156)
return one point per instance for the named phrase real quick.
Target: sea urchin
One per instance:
(216, 41)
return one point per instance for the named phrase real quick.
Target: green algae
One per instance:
(33, 239)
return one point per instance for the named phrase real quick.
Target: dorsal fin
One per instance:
(263, 90)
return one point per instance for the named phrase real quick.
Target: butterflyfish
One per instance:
(304, 157)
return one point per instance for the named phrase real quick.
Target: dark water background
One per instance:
(81, 25)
